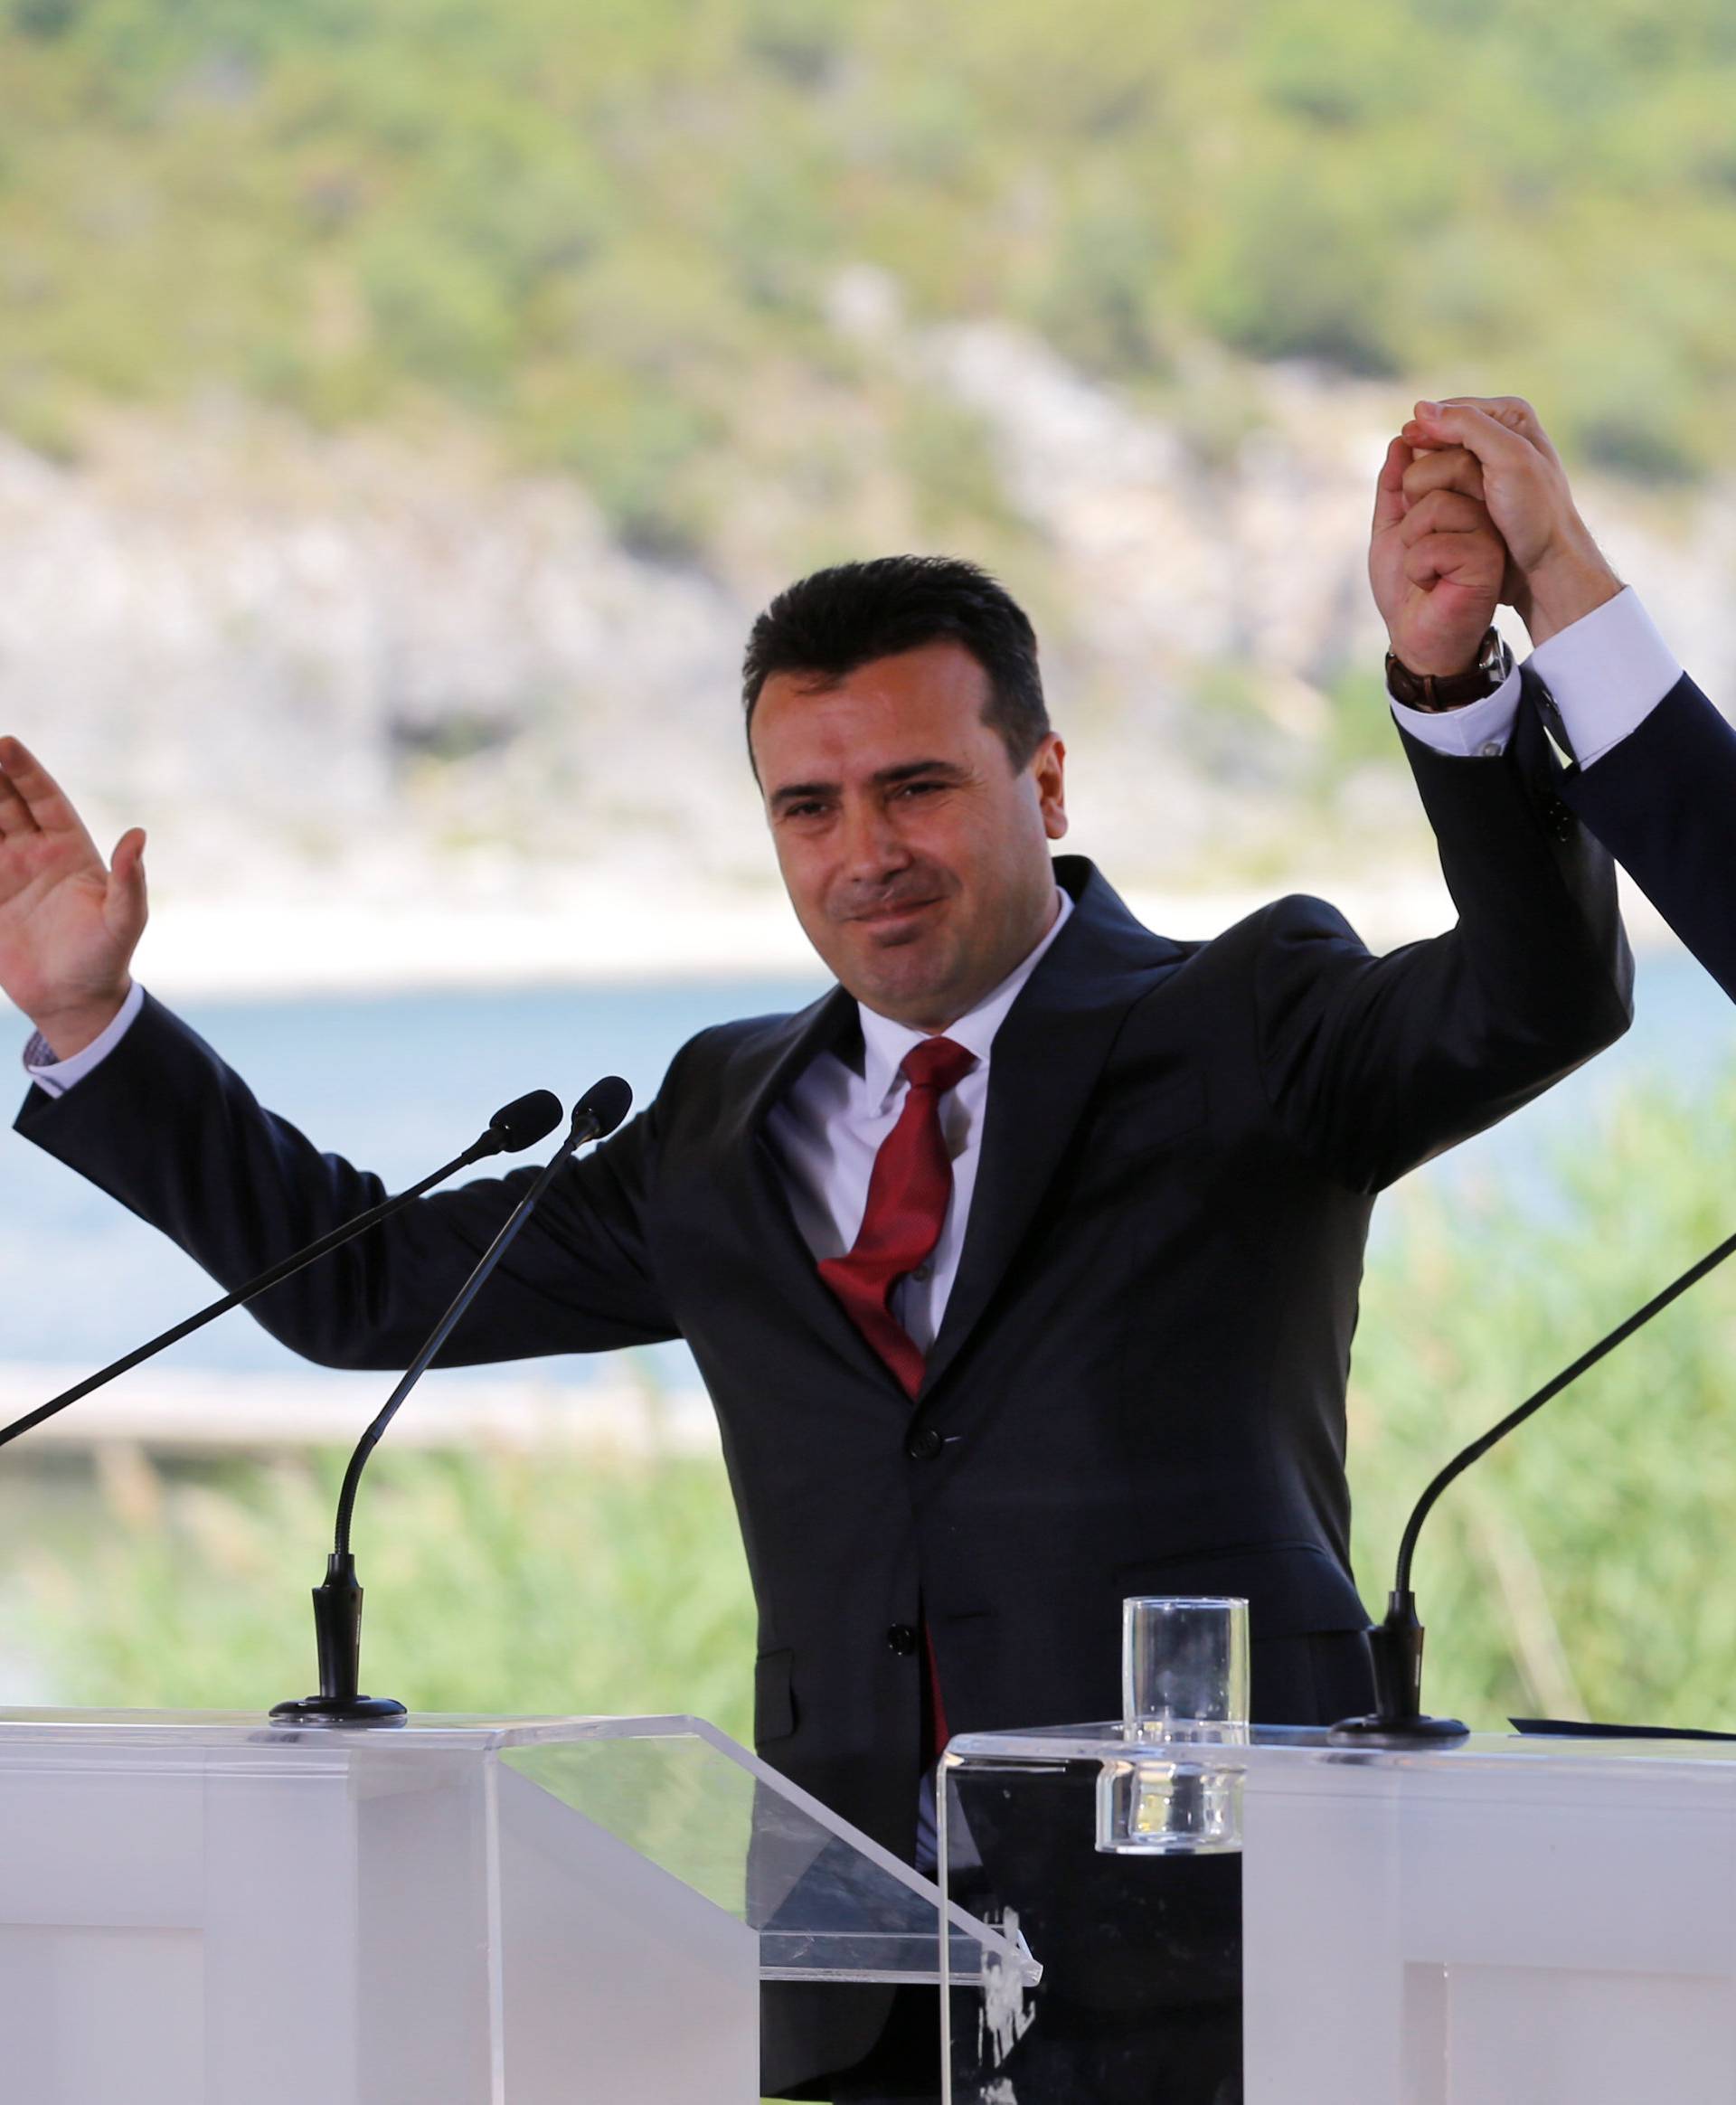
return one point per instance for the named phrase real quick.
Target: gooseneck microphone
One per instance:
(518, 1124)
(337, 1598)
(1398, 1719)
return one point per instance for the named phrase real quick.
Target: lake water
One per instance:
(404, 1081)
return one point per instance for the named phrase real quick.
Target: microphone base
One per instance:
(339, 1710)
(1397, 1734)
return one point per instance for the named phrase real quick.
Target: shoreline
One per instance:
(261, 948)
(192, 1412)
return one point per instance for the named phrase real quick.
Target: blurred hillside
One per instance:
(409, 404)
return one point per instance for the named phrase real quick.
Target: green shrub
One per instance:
(1575, 1571)
(494, 1583)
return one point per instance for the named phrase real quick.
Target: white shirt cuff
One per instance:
(55, 1077)
(1607, 672)
(1477, 732)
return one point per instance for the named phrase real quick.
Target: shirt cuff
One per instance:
(55, 1077)
(1607, 671)
(1477, 732)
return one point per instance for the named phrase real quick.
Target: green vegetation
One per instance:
(1575, 1571)
(607, 232)
(505, 1585)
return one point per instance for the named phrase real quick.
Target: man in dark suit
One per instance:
(1655, 778)
(1022, 1267)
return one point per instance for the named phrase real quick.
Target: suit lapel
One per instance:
(1045, 1061)
(793, 1284)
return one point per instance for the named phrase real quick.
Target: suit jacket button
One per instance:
(901, 1638)
(923, 1446)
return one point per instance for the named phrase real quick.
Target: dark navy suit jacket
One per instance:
(1663, 803)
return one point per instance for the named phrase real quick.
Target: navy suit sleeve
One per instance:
(1374, 1064)
(163, 1126)
(1663, 803)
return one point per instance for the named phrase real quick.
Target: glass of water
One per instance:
(1185, 1668)
(1184, 1688)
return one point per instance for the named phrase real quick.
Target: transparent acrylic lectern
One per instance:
(1507, 1921)
(208, 1909)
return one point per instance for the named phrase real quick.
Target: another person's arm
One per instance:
(1655, 778)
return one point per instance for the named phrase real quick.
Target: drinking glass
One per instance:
(1184, 1684)
(1185, 1668)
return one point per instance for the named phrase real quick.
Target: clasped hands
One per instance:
(1473, 511)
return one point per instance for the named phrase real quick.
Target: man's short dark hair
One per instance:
(824, 627)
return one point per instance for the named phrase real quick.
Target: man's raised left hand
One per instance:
(1437, 566)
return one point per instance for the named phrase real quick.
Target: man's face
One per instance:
(915, 857)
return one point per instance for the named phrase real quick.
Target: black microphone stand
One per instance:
(516, 1125)
(1398, 1719)
(337, 1598)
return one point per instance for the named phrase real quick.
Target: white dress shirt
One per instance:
(55, 1077)
(828, 1128)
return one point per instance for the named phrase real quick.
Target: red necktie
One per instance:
(910, 1189)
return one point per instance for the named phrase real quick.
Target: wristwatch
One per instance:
(1432, 693)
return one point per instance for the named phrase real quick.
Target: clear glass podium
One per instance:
(204, 1908)
(1536, 1920)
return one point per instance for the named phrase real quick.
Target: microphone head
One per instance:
(603, 1106)
(526, 1121)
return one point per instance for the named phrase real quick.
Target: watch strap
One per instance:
(1432, 691)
